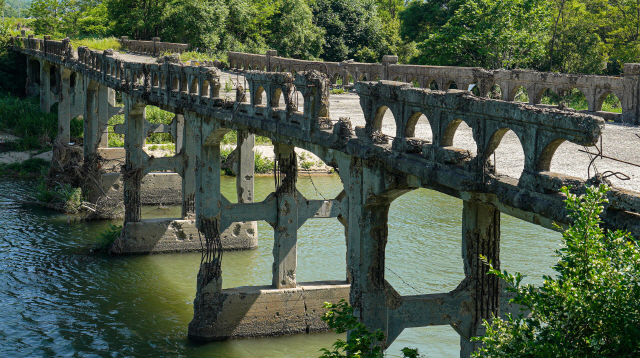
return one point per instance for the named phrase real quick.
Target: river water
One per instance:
(59, 299)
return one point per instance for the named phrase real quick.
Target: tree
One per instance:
(197, 22)
(352, 29)
(293, 32)
(46, 14)
(592, 307)
(491, 34)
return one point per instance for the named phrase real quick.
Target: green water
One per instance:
(58, 299)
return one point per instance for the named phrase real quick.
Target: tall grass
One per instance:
(95, 43)
(154, 115)
(22, 118)
(201, 56)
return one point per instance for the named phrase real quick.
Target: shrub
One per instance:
(590, 309)
(263, 164)
(107, 237)
(360, 342)
(29, 167)
(69, 198)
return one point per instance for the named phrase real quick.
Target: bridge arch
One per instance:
(451, 84)
(384, 124)
(612, 100)
(419, 126)
(505, 153)
(193, 89)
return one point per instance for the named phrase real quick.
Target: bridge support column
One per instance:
(480, 236)
(188, 148)
(134, 166)
(64, 108)
(106, 101)
(285, 243)
(631, 96)
(45, 87)
(90, 121)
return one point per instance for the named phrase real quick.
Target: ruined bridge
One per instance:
(375, 169)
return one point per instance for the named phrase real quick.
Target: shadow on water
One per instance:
(58, 299)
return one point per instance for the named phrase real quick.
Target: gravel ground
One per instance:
(618, 141)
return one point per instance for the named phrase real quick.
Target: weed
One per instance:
(29, 167)
(22, 118)
(228, 86)
(107, 237)
(306, 165)
(263, 164)
(153, 147)
(99, 44)
(337, 91)
(69, 197)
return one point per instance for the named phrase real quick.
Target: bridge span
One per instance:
(374, 168)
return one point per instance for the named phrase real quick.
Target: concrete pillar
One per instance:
(90, 121)
(106, 100)
(179, 133)
(366, 242)
(45, 87)
(480, 236)
(285, 243)
(188, 148)
(246, 167)
(64, 108)
(631, 96)
(134, 119)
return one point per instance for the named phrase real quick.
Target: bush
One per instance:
(360, 341)
(107, 237)
(69, 198)
(263, 164)
(592, 307)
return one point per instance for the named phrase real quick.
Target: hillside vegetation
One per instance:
(572, 36)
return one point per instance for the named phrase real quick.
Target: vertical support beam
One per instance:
(90, 121)
(631, 96)
(285, 243)
(188, 147)
(367, 239)
(133, 139)
(480, 236)
(179, 134)
(106, 100)
(246, 167)
(45, 87)
(64, 108)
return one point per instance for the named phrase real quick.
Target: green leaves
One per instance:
(590, 309)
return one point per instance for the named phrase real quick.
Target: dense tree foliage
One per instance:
(575, 36)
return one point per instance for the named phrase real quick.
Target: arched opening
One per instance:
(376, 78)
(385, 122)
(474, 89)
(175, 84)
(548, 97)
(415, 83)
(397, 79)
(349, 80)
(495, 92)
(260, 97)
(433, 85)
(505, 153)
(298, 101)
(362, 78)
(184, 86)
(205, 89)
(277, 101)
(577, 100)
(418, 126)
(156, 81)
(163, 82)
(35, 71)
(451, 85)
(338, 80)
(519, 94)
(73, 79)
(193, 89)
(53, 77)
(609, 102)
(463, 137)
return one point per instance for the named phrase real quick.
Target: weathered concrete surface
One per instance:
(262, 311)
(167, 235)
(156, 188)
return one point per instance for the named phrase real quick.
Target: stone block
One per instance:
(262, 311)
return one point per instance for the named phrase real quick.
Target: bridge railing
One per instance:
(153, 48)
(510, 82)
(53, 49)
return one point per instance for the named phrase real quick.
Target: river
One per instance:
(59, 299)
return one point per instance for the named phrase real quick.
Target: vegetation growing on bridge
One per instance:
(592, 307)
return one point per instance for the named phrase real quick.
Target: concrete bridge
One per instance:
(374, 168)
(509, 82)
